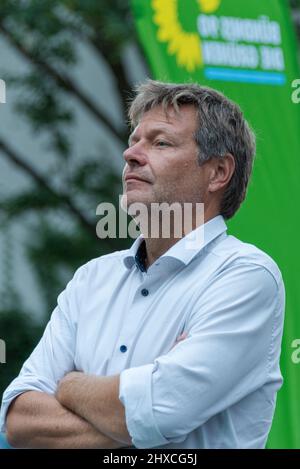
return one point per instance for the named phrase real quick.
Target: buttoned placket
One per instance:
(136, 310)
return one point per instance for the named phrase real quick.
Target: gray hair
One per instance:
(222, 129)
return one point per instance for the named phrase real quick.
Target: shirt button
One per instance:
(145, 292)
(123, 348)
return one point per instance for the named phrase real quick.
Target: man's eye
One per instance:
(161, 143)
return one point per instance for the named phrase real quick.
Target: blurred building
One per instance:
(96, 80)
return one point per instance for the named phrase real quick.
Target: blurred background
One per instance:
(69, 68)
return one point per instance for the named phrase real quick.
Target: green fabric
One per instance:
(269, 217)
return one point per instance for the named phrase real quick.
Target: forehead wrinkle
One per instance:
(164, 121)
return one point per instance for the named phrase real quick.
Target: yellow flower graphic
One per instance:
(185, 45)
(209, 6)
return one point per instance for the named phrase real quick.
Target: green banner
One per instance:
(247, 50)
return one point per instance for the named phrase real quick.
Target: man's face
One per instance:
(161, 161)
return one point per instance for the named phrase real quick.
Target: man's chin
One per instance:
(133, 199)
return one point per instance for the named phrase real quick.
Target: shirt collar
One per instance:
(184, 250)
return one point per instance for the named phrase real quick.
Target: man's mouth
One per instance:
(134, 178)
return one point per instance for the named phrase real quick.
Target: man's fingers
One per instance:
(180, 338)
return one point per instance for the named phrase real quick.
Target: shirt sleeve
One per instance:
(233, 344)
(53, 357)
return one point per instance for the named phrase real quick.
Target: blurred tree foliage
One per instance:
(45, 34)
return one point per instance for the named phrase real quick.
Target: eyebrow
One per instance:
(153, 132)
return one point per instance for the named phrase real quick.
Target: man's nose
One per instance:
(135, 156)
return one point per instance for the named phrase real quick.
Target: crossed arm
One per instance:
(38, 420)
(96, 399)
(84, 413)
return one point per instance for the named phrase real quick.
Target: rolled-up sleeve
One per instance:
(53, 357)
(233, 344)
(138, 402)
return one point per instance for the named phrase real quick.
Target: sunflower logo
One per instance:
(176, 21)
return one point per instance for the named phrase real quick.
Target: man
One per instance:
(106, 372)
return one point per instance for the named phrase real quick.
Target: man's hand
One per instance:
(180, 339)
(66, 387)
(95, 399)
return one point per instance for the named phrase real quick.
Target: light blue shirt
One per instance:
(215, 389)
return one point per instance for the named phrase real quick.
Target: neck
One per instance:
(156, 247)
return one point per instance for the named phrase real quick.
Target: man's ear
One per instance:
(222, 170)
